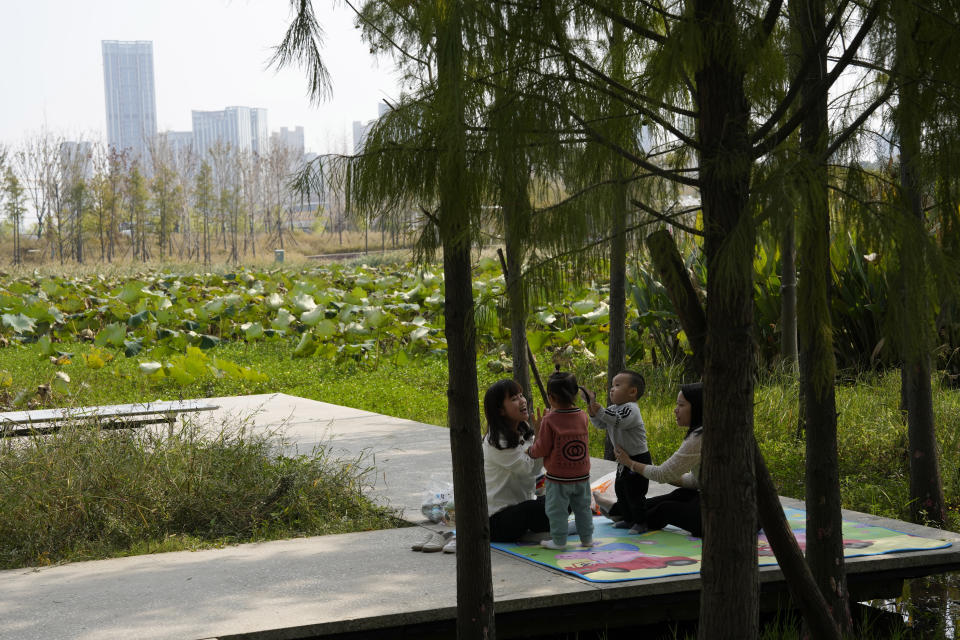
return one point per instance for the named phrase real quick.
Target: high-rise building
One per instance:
(180, 143)
(76, 160)
(290, 138)
(239, 128)
(259, 133)
(361, 130)
(130, 97)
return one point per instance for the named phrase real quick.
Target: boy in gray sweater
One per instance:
(624, 424)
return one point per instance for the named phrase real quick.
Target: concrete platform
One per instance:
(368, 584)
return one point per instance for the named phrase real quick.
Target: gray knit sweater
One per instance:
(625, 426)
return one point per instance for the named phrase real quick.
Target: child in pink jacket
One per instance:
(563, 443)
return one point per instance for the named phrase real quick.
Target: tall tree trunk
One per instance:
(788, 297)
(516, 296)
(917, 322)
(818, 367)
(803, 588)
(513, 180)
(617, 344)
(729, 603)
(475, 615)
(789, 556)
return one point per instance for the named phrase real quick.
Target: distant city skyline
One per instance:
(207, 56)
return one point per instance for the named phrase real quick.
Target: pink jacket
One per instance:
(563, 442)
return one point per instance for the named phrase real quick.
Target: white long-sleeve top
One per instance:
(511, 475)
(683, 467)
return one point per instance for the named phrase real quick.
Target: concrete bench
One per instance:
(117, 416)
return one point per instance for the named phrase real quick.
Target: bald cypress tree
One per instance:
(918, 50)
(817, 364)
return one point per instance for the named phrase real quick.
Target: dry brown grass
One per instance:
(298, 247)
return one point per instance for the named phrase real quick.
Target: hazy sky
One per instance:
(207, 55)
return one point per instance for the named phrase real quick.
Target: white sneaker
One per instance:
(418, 546)
(437, 542)
(550, 544)
(451, 547)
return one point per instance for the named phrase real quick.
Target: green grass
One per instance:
(82, 494)
(871, 433)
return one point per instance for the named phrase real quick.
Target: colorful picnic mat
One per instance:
(621, 556)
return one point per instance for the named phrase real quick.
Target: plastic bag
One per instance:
(438, 505)
(604, 486)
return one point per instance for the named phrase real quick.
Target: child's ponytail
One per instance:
(563, 386)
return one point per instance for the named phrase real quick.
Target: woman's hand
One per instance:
(535, 419)
(622, 456)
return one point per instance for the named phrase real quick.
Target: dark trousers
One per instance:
(631, 489)
(680, 507)
(507, 525)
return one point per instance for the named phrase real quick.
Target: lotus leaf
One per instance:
(167, 316)
(45, 346)
(41, 311)
(417, 293)
(419, 334)
(311, 318)
(431, 279)
(356, 296)
(252, 330)
(601, 350)
(132, 347)
(283, 319)
(601, 314)
(306, 346)
(213, 307)
(208, 341)
(545, 318)
(165, 334)
(538, 339)
(355, 329)
(581, 307)
(347, 312)
(112, 334)
(180, 375)
(131, 292)
(326, 329)
(375, 317)
(304, 302)
(18, 322)
(150, 368)
(61, 382)
(73, 304)
(194, 362)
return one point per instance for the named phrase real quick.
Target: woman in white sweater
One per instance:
(511, 474)
(680, 507)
